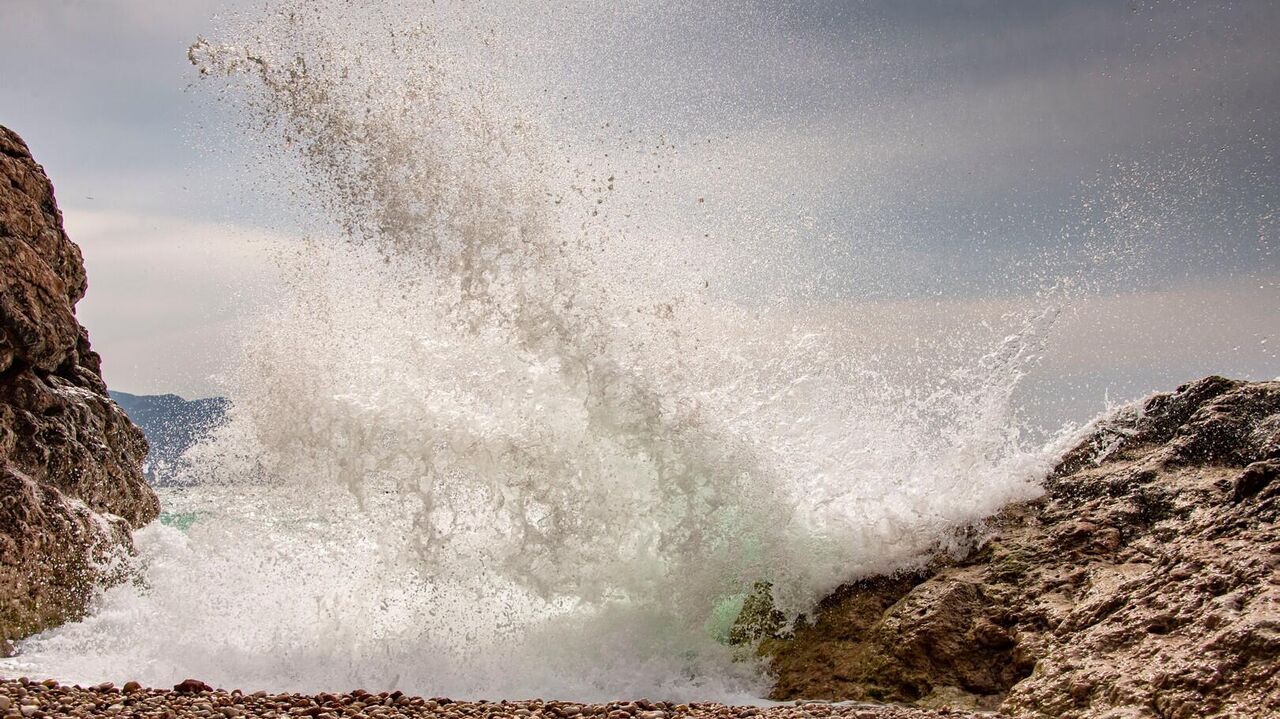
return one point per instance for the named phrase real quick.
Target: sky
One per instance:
(952, 152)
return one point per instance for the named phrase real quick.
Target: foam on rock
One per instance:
(1147, 580)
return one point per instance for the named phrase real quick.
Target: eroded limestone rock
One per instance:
(71, 484)
(1144, 583)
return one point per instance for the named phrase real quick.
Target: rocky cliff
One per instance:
(71, 484)
(1144, 583)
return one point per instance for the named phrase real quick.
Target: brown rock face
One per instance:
(71, 483)
(1145, 583)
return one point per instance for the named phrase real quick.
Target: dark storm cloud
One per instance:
(987, 135)
(1021, 124)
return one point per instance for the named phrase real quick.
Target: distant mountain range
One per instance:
(172, 425)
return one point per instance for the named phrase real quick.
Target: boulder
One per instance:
(1144, 583)
(71, 485)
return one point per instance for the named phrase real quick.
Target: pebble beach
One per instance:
(24, 698)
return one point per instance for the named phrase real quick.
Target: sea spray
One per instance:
(500, 441)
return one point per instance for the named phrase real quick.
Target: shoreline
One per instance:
(24, 698)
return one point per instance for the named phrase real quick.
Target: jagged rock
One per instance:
(71, 483)
(1144, 583)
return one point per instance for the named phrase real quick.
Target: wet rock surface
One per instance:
(71, 484)
(24, 699)
(1144, 583)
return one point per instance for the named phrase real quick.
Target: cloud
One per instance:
(168, 296)
(900, 149)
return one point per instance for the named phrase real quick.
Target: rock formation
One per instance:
(1144, 583)
(71, 484)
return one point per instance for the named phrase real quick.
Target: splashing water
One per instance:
(522, 432)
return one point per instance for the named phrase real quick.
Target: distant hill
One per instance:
(70, 490)
(172, 425)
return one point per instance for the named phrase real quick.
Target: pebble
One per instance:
(193, 698)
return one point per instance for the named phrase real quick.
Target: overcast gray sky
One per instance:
(952, 149)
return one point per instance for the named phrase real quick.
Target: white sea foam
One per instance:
(517, 433)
